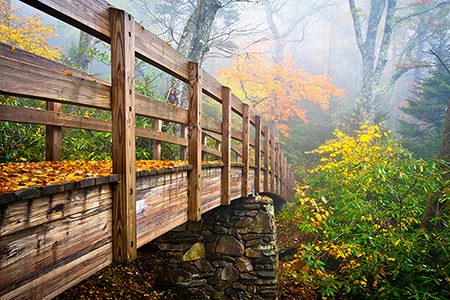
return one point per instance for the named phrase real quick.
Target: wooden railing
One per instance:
(28, 75)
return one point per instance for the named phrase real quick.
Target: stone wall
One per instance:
(231, 254)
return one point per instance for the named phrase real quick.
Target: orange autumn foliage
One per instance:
(277, 90)
(23, 175)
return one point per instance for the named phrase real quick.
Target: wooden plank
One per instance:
(257, 154)
(272, 163)
(285, 177)
(34, 59)
(211, 195)
(209, 150)
(37, 116)
(183, 149)
(245, 149)
(266, 158)
(153, 108)
(65, 84)
(123, 136)
(53, 136)
(276, 167)
(211, 125)
(204, 140)
(226, 146)
(252, 118)
(194, 137)
(235, 182)
(212, 87)
(158, 53)
(91, 16)
(236, 134)
(237, 105)
(27, 80)
(280, 174)
(217, 137)
(162, 204)
(156, 145)
(282, 177)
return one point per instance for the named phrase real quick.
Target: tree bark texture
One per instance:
(85, 44)
(374, 58)
(194, 44)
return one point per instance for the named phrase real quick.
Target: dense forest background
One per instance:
(308, 68)
(359, 91)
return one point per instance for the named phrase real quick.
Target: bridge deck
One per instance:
(49, 243)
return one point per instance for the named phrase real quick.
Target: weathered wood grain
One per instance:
(195, 143)
(37, 116)
(21, 215)
(245, 149)
(266, 158)
(50, 284)
(88, 15)
(153, 108)
(161, 204)
(183, 149)
(157, 126)
(27, 80)
(123, 135)
(34, 59)
(42, 235)
(272, 163)
(211, 195)
(236, 183)
(215, 152)
(53, 136)
(226, 146)
(257, 154)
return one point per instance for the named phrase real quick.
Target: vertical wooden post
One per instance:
(183, 149)
(272, 163)
(157, 126)
(283, 171)
(285, 176)
(280, 178)
(266, 159)
(217, 146)
(123, 135)
(53, 134)
(257, 154)
(276, 171)
(204, 141)
(245, 148)
(195, 142)
(226, 145)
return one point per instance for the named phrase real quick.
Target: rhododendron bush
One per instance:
(362, 209)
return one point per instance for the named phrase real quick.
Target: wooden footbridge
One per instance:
(53, 237)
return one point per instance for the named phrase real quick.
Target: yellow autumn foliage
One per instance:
(27, 33)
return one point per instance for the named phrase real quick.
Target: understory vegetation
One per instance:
(357, 222)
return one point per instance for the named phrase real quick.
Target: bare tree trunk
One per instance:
(194, 44)
(374, 58)
(85, 44)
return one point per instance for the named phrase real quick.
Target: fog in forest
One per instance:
(361, 72)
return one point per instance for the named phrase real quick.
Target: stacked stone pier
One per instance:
(230, 254)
